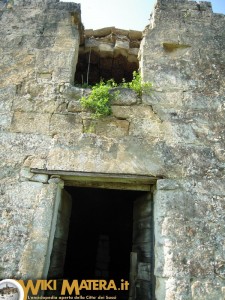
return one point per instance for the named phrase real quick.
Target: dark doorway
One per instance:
(96, 232)
(100, 234)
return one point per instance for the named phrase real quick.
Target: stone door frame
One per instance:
(131, 182)
(121, 181)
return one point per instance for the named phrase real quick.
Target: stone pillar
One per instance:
(171, 242)
(58, 254)
(35, 260)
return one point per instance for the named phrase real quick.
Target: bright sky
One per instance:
(125, 14)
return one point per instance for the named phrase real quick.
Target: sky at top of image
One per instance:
(125, 14)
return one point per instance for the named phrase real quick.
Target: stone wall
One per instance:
(176, 133)
(39, 50)
(183, 55)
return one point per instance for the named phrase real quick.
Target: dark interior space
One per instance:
(107, 53)
(103, 227)
(100, 234)
(94, 66)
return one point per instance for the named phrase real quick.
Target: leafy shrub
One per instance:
(137, 85)
(99, 101)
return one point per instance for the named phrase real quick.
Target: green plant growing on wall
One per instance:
(137, 85)
(99, 100)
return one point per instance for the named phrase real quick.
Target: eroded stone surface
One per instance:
(176, 132)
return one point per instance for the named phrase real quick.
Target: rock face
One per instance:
(183, 55)
(176, 133)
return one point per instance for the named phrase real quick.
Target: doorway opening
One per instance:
(100, 234)
(105, 231)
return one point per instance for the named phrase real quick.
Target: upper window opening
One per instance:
(107, 53)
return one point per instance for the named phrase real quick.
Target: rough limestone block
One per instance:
(170, 288)
(30, 122)
(210, 288)
(167, 184)
(20, 146)
(61, 123)
(179, 133)
(44, 77)
(122, 45)
(135, 35)
(113, 128)
(6, 96)
(5, 120)
(25, 174)
(188, 229)
(15, 226)
(148, 126)
(73, 92)
(39, 245)
(120, 32)
(24, 194)
(108, 48)
(74, 106)
(121, 112)
(62, 75)
(23, 103)
(40, 178)
(45, 63)
(91, 43)
(163, 99)
(124, 96)
(102, 32)
(74, 155)
(38, 162)
(89, 32)
(173, 203)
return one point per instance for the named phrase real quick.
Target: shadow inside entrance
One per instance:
(100, 237)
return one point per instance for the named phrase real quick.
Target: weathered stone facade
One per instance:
(175, 134)
(183, 54)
